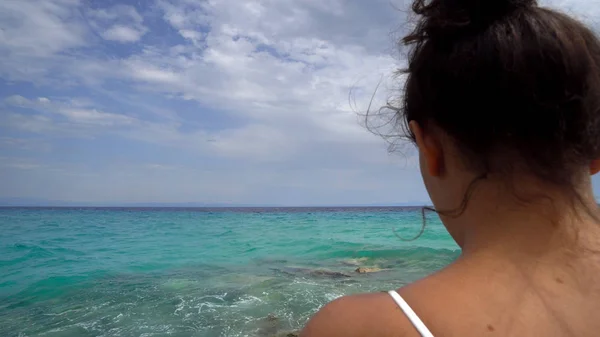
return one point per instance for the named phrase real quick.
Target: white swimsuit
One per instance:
(414, 319)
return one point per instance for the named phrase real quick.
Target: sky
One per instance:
(204, 101)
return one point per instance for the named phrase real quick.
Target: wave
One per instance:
(226, 233)
(39, 251)
(32, 250)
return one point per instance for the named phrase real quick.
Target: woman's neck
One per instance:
(499, 223)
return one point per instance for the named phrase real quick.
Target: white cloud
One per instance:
(40, 28)
(67, 119)
(33, 124)
(254, 142)
(122, 34)
(76, 121)
(116, 12)
(34, 34)
(19, 163)
(267, 63)
(95, 117)
(152, 74)
(185, 14)
(25, 144)
(279, 71)
(18, 100)
(120, 23)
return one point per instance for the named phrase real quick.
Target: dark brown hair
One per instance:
(517, 86)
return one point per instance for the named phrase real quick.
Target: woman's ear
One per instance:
(430, 150)
(595, 166)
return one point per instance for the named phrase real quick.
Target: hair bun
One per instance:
(442, 17)
(489, 10)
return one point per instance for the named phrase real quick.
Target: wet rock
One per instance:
(314, 272)
(328, 273)
(349, 281)
(269, 326)
(287, 334)
(363, 270)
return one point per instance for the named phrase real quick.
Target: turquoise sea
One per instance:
(200, 272)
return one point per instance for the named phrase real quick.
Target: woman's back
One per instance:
(487, 296)
(477, 297)
(502, 99)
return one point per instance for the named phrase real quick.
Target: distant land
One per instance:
(33, 202)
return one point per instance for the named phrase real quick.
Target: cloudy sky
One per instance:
(208, 101)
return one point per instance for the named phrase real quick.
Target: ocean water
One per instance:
(200, 272)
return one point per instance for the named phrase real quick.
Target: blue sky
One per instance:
(228, 101)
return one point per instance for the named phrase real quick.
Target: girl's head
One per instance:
(503, 90)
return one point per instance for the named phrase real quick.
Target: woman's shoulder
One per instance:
(435, 300)
(468, 299)
(373, 314)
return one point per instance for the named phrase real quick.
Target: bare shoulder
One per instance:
(359, 315)
(433, 299)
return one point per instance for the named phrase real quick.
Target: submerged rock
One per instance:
(328, 273)
(363, 270)
(287, 334)
(269, 326)
(315, 272)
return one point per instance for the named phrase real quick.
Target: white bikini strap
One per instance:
(412, 316)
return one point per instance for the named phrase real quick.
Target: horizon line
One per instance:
(212, 206)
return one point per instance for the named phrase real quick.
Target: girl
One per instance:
(502, 99)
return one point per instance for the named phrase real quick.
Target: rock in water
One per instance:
(314, 272)
(328, 273)
(269, 326)
(287, 334)
(362, 270)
